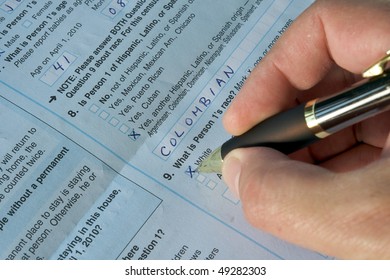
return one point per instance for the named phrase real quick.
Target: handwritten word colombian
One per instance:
(193, 113)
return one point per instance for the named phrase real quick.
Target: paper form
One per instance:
(107, 107)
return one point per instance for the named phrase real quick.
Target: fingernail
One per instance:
(231, 172)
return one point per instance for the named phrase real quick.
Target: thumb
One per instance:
(273, 187)
(311, 206)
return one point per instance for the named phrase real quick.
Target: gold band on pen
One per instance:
(312, 122)
(377, 68)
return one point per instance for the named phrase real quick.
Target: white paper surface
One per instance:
(107, 107)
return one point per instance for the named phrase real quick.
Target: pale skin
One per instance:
(333, 197)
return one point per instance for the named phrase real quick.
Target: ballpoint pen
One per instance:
(299, 127)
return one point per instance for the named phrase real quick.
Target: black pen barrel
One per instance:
(296, 128)
(286, 132)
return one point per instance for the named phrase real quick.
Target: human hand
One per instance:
(333, 197)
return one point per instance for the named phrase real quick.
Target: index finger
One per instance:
(351, 33)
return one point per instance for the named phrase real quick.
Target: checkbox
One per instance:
(200, 178)
(94, 108)
(104, 115)
(211, 184)
(27, 23)
(114, 122)
(229, 196)
(124, 128)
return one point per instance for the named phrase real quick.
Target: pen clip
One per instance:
(378, 68)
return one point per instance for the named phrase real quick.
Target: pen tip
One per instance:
(213, 163)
